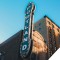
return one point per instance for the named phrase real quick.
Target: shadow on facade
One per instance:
(10, 49)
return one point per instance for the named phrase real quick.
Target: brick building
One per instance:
(50, 32)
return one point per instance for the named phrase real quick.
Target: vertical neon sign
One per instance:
(27, 34)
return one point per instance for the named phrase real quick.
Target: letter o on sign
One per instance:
(24, 47)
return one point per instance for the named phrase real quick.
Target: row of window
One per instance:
(52, 41)
(54, 37)
(52, 25)
(59, 38)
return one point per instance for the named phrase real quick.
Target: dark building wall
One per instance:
(10, 48)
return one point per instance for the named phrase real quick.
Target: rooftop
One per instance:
(51, 20)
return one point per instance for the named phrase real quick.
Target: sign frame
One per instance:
(26, 44)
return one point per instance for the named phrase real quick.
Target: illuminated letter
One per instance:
(26, 32)
(24, 47)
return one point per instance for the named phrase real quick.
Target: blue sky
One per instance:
(12, 14)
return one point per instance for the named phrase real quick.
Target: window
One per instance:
(49, 22)
(55, 48)
(51, 46)
(35, 26)
(54, 37)
(58, 30)
(45, 41)
(51, 53)
(50, 40)
(59, 38)
(0, 54)
(52, 25)
(50, 34)
(39, 28)
(54, 40)
(39, 24)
